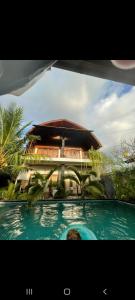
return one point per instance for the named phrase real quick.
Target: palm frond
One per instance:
(32, 138)
(38, 176)
(96, 185)
(51, 172)
(11, 119)
(92, 173)
(10, 194)
(75, 171)
(72, 177)
(11, 140)
(21, 130)
(88, 176)
(93, 191)
(34, 190)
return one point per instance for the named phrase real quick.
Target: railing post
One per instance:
(59, 153)
(81, 154)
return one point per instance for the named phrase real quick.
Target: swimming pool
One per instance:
(109, 220)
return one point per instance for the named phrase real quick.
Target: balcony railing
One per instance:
(52, 153)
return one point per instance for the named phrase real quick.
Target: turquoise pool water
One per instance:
(109, 220)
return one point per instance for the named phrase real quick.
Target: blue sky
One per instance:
(104, 106)
(110, 87)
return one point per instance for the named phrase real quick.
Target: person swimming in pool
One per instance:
(73, 235)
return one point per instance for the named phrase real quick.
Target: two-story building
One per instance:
(62, 142)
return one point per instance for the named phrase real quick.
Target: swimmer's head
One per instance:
(73, 235)
(124, 64)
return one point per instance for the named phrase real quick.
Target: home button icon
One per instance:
(67, 292)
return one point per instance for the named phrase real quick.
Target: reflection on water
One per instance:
(49, 216)
(72, 213)
(108, 220)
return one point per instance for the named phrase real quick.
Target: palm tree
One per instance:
(12, 139)
(83, 180)
(87, 186)
(10, 193)
(39, 186)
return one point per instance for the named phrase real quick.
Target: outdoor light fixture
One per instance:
(56, 138)
(60, 138)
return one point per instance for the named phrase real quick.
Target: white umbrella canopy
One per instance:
(17, 76)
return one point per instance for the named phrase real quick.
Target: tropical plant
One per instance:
(128, 150)
(88, 187)
(61, 193)
(124, 183)
(39, 186)
(4, 178)
(123, 174)
(10, 193)
(100, 161)
(12, 138)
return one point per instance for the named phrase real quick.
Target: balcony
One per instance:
(41, 155)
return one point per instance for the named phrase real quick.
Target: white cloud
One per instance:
(114, 119)
(106, 104)
(59, 94)
(63, 94)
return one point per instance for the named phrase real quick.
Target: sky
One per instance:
(106, 107)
